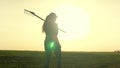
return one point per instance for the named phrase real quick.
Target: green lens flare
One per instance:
(51, 44)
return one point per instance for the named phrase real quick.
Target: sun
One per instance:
(74, 20)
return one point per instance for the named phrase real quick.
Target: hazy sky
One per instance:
(19, 31)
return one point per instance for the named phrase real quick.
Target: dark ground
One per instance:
(35, 59)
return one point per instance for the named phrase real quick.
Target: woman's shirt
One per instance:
(51, 31)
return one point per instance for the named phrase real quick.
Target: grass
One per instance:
(35, 59)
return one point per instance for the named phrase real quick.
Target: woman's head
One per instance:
(51, 17)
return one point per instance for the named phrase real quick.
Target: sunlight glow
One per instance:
(74, 20)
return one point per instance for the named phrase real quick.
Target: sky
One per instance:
(97, 24)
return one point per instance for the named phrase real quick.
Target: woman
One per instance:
(51, 43)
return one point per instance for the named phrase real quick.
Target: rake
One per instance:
(34, 14)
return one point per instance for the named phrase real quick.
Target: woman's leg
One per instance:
(59, 57)
(47, 60)
(48, 53)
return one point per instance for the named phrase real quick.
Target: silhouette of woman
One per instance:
(51, 42)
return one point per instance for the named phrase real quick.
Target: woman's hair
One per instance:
(49, 19)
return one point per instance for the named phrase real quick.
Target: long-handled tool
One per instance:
(39, 17)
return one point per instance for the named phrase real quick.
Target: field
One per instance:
(35, 59)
